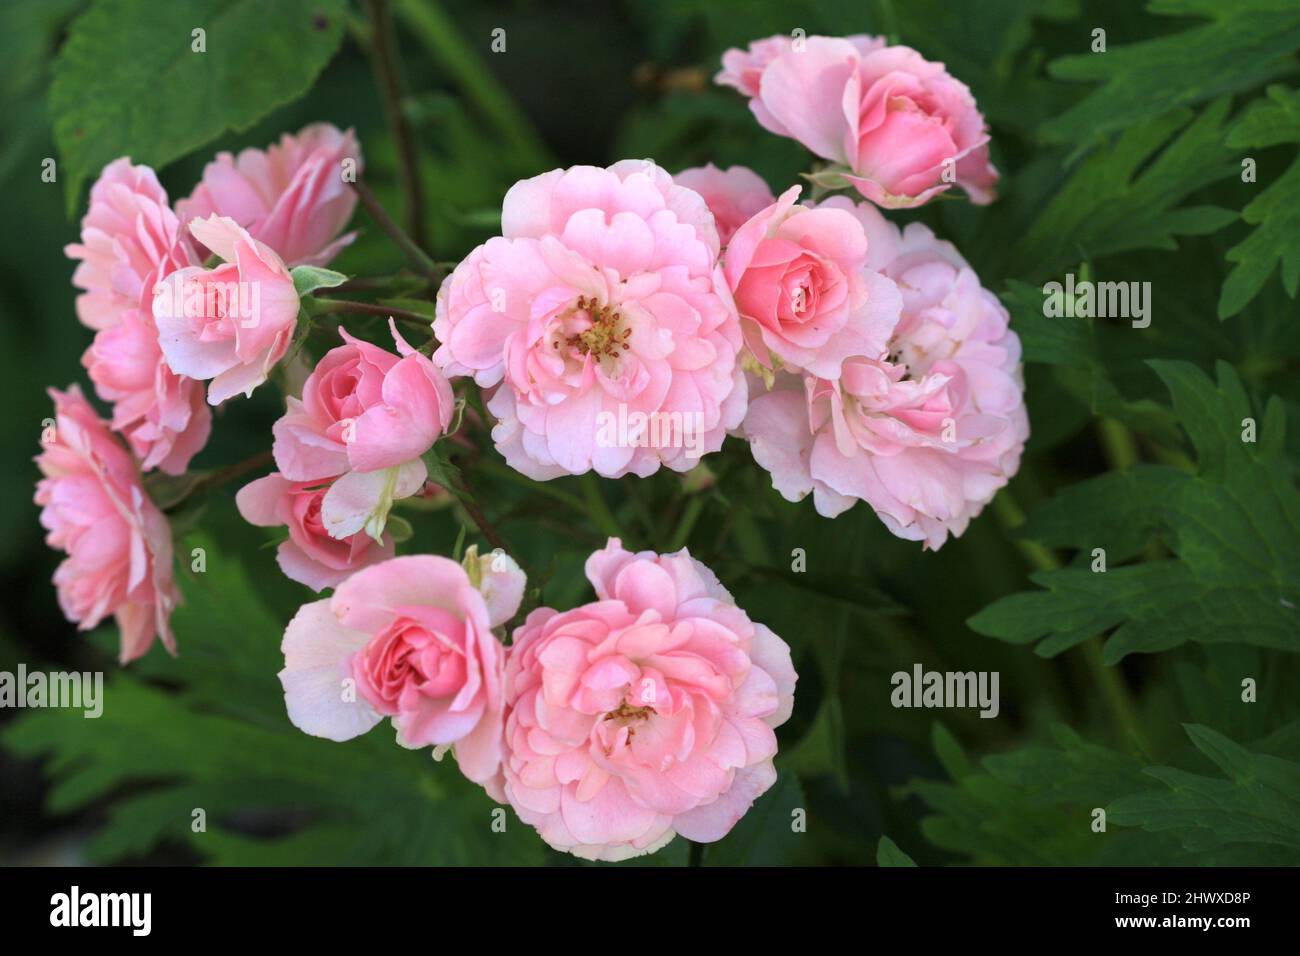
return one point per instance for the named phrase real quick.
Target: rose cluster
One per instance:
(625, 319)
(610, 727)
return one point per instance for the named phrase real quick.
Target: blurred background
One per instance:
(593, 83)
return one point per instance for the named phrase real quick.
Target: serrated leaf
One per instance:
(1257, 800)
(1126, 195)
(128, 83)
(1233, 528)
(1246, 42)
(1275, 212)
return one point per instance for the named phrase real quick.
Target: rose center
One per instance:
(604, 337)
(627, 714)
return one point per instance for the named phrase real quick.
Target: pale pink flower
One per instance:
(410, 639)
(230, 324)
(926, 434)
(803, 290)
(367, 415)
(118, 543)
(128, 230)
(733, 195)
(292, 196)
(647, 713)
(162, 415)
(309, 555)
(602, 315)
(904, 129)
(129, 241)
(742, 70)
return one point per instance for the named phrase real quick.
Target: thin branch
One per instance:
(221, 476)
(343, 306)
(380, 283)
(418, 258)
(383, 51)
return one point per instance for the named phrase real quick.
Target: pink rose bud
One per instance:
(925, 434)
(129, 241)
(294, 196)
(803, 289)
(647, 713)
(904, 129)
(366, 415)
(733, 195)
(604, 319)
(309, 556)
(410, 639)
(230, 324)
(118, 543)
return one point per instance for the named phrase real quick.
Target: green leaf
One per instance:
(1031, 806)
(1073, 346)
(1233, 529)
(128, 83)
(1275, 212)
(888, 854)
(1246, 42)
(1256, 800)
(1126, 195)
(307, 279)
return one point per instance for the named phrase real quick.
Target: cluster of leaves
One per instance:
(1124, 166)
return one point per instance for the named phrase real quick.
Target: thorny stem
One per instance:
(418, 258)
(1116, 692)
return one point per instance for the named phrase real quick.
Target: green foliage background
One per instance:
(1120, 690)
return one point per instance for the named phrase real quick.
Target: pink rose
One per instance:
(413, 635)
(128, 230)
(647, 713)
(230, 324)
(309, 556)
(161, 415)
(292, 196)
(904, 128)
(926, 434)
(733, 195)
(803, 289)
(367, 415)
(118, 543)
(131, 240)
(603, 316)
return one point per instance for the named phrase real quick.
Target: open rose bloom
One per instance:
(409, 639)
(805, 295)
(232, 323)
(291, 196)
(900, 126)
(130, 240)
(925, 433)
(601, 302)
(647, 713)
(119, 546)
